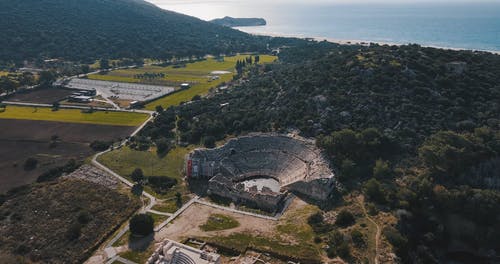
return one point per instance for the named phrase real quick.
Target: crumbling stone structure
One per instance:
(295, 163)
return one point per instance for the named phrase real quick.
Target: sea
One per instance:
(450, 24)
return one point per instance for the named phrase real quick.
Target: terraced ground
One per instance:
(73, 116)
(196, 73)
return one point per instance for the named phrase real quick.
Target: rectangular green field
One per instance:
(196, 73)
(74, 116)
(125, 160)
(202, 88)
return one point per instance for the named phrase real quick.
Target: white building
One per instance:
(171, 252)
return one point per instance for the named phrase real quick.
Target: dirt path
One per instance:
(361, 200)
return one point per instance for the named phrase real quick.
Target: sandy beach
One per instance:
(354, 41)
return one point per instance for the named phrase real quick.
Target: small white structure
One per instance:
(185, 86)
(171, 252)
(80, 99)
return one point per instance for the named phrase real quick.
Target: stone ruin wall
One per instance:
(316, 181)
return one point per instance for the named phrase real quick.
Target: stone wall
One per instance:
(296, 163)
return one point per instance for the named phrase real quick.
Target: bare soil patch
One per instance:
(41, 96)
(13, 129)
(22, 139)
(189, 222)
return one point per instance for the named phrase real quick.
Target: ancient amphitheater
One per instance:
(260, 169)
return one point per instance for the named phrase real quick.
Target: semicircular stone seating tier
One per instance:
(283, 158)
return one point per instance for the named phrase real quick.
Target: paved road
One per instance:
(236, 211)
(159, 213)
(120, 259)
(176, 214)
(152, 199)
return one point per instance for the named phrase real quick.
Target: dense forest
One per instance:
(418, 127)
(86, 30)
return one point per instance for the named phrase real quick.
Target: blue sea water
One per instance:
(450, 25)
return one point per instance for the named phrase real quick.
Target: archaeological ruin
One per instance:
(260, 170)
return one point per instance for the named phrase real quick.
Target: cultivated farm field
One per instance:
(22, 139)
(41, 96)
(74, 116)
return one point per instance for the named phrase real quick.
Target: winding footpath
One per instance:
(361, 200)
(151, 198)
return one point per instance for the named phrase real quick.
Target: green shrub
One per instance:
(373, 189)
(137, 175)
(357, 238)
(100, 145)
(344, 218)
(161, 184)
(141, 225)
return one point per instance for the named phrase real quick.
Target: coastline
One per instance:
(358, 42)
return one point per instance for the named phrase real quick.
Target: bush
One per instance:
(344, 251)
(395, 238)
(374, 191)
(137, 175)
(159, 109)
(178, 199)
(141, 225)
(345, 218)
(316, 221)
(316, 218)
(381, 169)
(357, 238)
(57, 172)
(162, 146)
(161, 184)
(30, 164)
(335, 238)
(100, 145)
(209, 142)
(338, 246)
(137, 189)
(372, 209)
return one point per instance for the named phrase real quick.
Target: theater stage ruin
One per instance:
(260, 170)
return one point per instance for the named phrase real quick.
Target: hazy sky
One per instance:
(176, 2)
(209, 9)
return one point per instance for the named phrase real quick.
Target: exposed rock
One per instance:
(92, 174)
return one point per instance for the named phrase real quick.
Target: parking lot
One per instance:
(121, 91)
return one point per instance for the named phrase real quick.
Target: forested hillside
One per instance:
(418, 127)
(93, 29)
(407, 92)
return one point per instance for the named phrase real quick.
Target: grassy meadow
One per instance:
(125, 160)
(73, 116)
(217, 222)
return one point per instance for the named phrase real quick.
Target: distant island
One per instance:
(239, 22)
